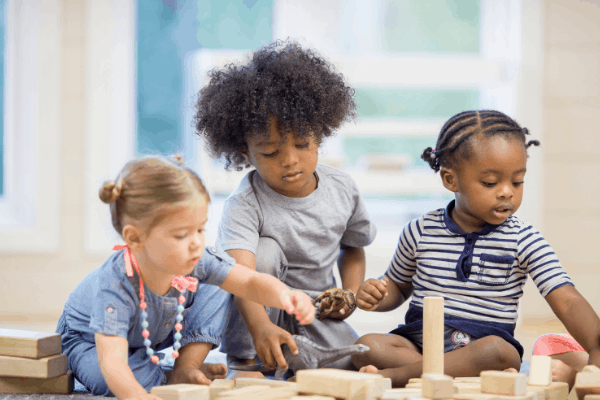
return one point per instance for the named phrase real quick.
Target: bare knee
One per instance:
(498, 353)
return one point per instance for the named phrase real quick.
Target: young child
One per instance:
(146, 296)
(476, 255)
(290, 217)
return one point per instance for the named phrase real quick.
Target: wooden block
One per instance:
(587, 380)
(399, 394)
(503, 383)
(526, 396)
(243, 382)
(467, 387)
(592, 397)
(468, 379)
(437, 386)
(239, 393)
(414, 385)
(558, 391)
(272, 393)
(47, 367)
(29, 344)
(181, 392)
(62, 384)
(541, 392)
(335, 382)
(433, 335)
(415, 380)
(540, 371)
(473, 396)
(365, 392)
(220, 385)
(313, 397)
(590, 368)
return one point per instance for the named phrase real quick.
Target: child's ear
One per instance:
(244, 152)
(449, 179)
(133, 237)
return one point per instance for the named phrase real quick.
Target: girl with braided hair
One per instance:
(476, 255)
(162, 289)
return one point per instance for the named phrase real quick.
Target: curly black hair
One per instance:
(281, 82)
(453, 143)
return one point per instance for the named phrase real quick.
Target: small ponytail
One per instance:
(109, 192)
(429, 157)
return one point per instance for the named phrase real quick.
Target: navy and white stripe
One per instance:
(499, 258)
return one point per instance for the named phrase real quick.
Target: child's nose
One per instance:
(290, 157)
(506, 191)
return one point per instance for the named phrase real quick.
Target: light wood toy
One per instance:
(244, 382)
(433, 335)
(399, 394)
(47, 367)
(339, 383)
(587, 383)
(220, 385)
(466, 387)
(503, 383)
(540, 371)
(257, 392)
(29, 344)
(182, 392)
(62, 384)
(437, 386)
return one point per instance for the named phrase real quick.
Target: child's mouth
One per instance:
(292, 177)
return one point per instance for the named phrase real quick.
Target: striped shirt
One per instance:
(481, 274)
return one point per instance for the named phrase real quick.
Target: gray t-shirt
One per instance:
(309, 230)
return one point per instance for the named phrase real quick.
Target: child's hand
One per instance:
(370, 294)
(298, 303)
(199, 376)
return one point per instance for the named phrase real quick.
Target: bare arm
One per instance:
(351, 264)
(113, 352)
(579, 318)
(267, 337)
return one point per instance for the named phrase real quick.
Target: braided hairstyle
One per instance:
(148, 188)
(281, 82)
(455, 138)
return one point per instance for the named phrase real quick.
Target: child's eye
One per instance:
(517, 184)
(181, 236)
(273, 154)
(303, 145)
(488, 184)
(201, 230)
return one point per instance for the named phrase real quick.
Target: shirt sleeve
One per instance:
(112, 309)
(239, 226)
(360, 231)
(540, 261)
(403, 266)
(213, 267)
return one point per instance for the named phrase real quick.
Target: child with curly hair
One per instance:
(476, 255)
(146, 296)
(290, 217)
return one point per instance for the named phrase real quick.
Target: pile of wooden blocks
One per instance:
(332, 384)
(31, 362)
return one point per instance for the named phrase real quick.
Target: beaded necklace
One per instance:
(181, 283)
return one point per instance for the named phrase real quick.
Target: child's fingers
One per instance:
(363, 305)
(291, 344)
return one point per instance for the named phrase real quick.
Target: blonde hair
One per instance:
(149, 187)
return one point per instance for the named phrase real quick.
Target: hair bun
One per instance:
(109, 193)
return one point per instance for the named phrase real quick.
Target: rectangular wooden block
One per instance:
(467, 387)
(473, 396)
(313, 397)
(62, 384)
(243, 382)
(399, 394)
(587, 380)
(29, 344)
(541, 392)
(558, 391)
(503, 383)
(335, 382)
(47, 367)
(468, 379)
(437, 386)
(526, 396)
(590, 368)
(220, 385)
(240, 393)
(540, 371)
(181, 392)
